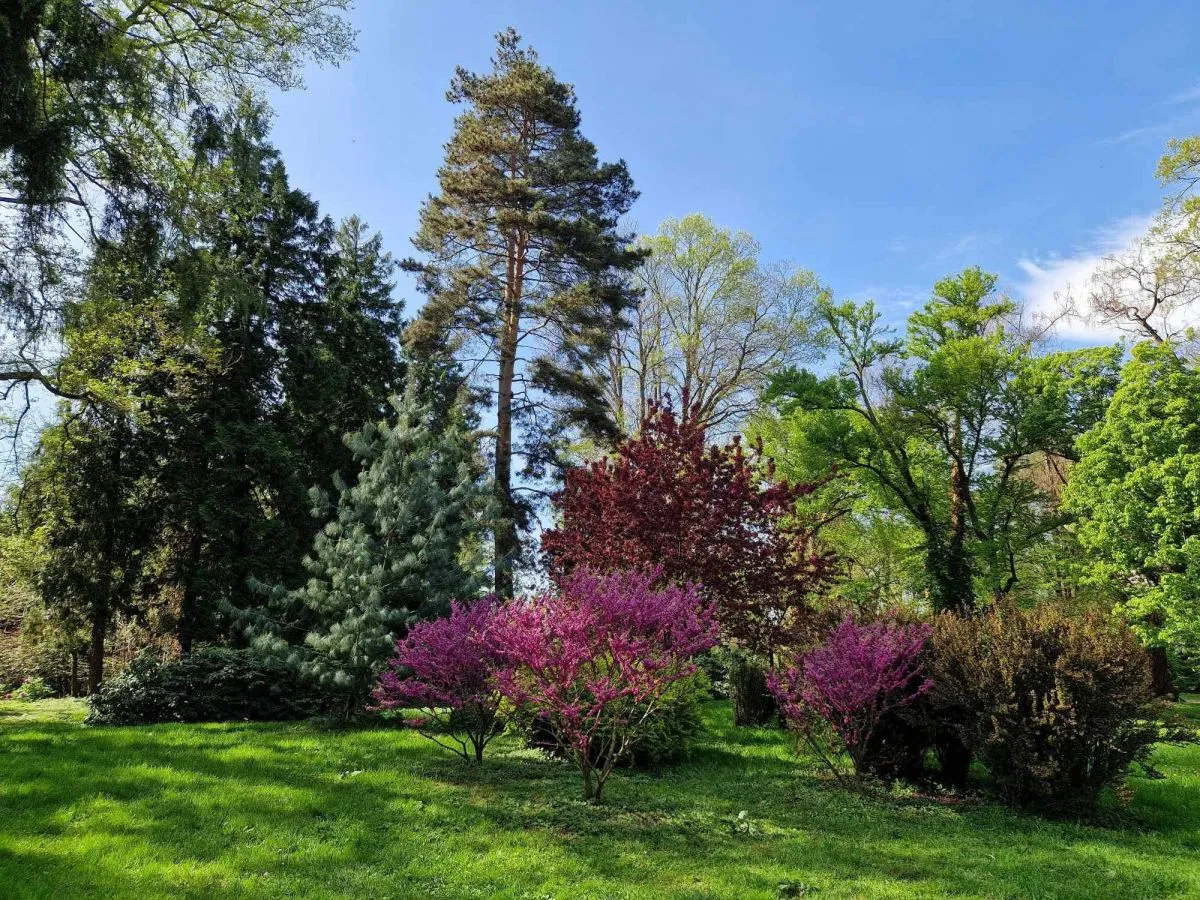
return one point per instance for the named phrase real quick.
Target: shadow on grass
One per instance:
(292, 810)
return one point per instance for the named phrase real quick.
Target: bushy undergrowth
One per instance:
(852, 686)
(668, 735)
(32, 690)
(1056, 707)
(211, 685)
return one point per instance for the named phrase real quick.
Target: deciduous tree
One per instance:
(941, 425)
(713, 324)
(710, 515)
(1136, 490)
(450, 669)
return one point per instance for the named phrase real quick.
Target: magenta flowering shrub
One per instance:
(597, 658)
(852, 683)
(449, 669)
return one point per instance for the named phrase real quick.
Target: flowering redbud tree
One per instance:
(852, 682)
(448, 668)
(596, 658)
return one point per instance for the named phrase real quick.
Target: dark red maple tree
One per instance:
(707, 514)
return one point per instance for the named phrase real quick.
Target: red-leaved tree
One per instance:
(449, 669)
(595, 659)
(853, 682)
(711, 515)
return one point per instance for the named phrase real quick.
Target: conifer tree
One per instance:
(525, 265)
(396, 548)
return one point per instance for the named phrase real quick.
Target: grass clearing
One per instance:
(289, 810)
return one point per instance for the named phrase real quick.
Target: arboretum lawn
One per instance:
(294, 810)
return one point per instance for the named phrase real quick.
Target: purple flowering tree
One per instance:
(852, 682)
(596, 658)
(448, 668)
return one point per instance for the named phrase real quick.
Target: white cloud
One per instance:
(1145, 132)
(1190, 95)
(1049, 281)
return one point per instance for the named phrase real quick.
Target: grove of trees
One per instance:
(717, 475)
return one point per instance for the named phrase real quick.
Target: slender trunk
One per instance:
(947, 558)
(506, 545)
(188, 604)
(74, 673)
(585, 769)
(96, 648)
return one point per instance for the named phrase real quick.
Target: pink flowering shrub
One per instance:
(596, 659)
(853, 683)
(448, 668)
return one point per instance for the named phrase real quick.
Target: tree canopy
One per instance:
(942, 426)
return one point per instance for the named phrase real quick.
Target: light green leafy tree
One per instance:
(713, 324)
(941, 427)
(1136, 490)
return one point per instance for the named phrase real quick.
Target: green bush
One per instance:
(33, 689)
(753, 703)
(667, 736)
(1185, 671)
(212, 685)
(1056, 707)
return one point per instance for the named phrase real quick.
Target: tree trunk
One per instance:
(1161, 681)
(188, 606)
(96, 649)
(950, 576)
(590, 791)
(506, 545)
(505, 531)
(959, 594)
(753, 704)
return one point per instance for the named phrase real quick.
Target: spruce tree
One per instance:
(396, 548)
(525, 265)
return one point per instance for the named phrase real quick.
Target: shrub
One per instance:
(753, 702)
(215, 684)
(33, 689)
(668, 734)
(597, 660)
(1056, 707)
(852, 683)
(448, 668)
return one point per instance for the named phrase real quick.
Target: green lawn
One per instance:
(296, 811)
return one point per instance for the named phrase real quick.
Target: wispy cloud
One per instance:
(893, 302)
(1191, 95)
(957, 248)
(1133, 135)
(1050, 280)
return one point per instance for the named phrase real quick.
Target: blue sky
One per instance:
(880, 144)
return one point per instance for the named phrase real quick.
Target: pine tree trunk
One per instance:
(506, 529)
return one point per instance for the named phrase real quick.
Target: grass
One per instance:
(293, 810)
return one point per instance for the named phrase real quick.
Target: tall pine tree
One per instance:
(525, 264)
(397, 547)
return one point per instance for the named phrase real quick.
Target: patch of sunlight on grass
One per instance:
(288, 810)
